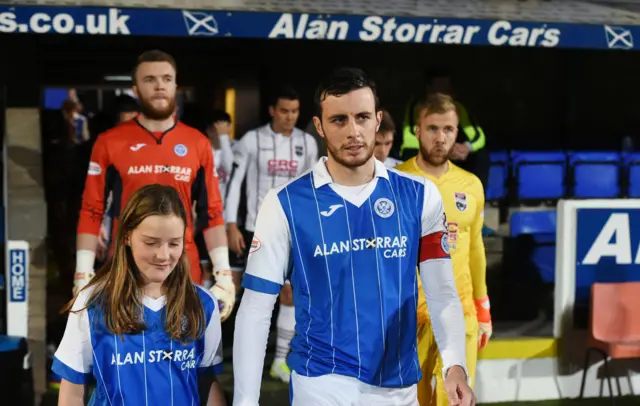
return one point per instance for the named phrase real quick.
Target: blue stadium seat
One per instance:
(595, 174)
(539, 175)
(632, 165)
(541, 226)
(498, 172)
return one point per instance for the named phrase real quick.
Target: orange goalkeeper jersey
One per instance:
(463, 198)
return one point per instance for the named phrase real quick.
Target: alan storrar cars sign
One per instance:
(81, 20)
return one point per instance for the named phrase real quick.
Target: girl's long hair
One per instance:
(117, 286)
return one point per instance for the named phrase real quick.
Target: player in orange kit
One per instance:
(463, 198)
(156, 148)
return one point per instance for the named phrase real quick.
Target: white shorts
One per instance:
(338, 390)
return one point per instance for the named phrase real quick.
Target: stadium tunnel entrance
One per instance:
(526, 98)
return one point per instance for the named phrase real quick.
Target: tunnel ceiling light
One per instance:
(117, 78)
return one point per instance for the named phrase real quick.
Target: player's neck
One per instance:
(153, 290)
(434, 170)
(278, 130)
(156, 126)
(345, 176)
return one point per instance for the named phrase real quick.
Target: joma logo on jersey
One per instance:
(392, 247)
(282, 167)
(186, 358)
(181, 174)
(614, 240)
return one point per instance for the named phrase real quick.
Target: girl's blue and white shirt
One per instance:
(149, 368)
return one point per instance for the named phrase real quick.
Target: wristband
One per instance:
(220, 259)
(85, 260)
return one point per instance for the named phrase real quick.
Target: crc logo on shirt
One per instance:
(181, 174)
(186, 358)
(282, 167)
(180, 150)
(392, 247)
(94, 169)
(384, 207)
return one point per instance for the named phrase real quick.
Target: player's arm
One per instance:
(210, 213)
(73, 359)
(241, 158)
(478, 268)
(96, 190)
(438, 283)
(267, 266)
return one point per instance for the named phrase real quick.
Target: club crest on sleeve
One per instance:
(180, 150)
(444, 243)
(461, 201)
(255, 245)
(384, 207)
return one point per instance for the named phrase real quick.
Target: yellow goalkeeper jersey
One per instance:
(463, 198)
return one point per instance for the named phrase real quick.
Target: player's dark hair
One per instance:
(387, 124)
(340, 82)
(117, 286)
(219, 115)
(153, 56)
(125, 104)
(284, 92)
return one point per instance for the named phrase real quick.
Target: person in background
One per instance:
(268, 156)
(384, 141)
(463, 199)
(141, 328)
(469, 151)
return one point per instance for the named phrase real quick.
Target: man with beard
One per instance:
(155, 148)
(348, 235)
(463, 199)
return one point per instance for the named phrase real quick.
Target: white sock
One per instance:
(285, 324)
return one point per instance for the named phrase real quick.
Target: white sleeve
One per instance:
(212, 356)
(226, 153)
(241, 157)
(312, 151)
(250, 346)
(269, 256)
(436, 273)
(73, 360)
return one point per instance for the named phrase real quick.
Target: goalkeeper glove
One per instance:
(225, 292)
(485, 328)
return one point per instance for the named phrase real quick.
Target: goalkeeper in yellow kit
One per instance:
(463, 197)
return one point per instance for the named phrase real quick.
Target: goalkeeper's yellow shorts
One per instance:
(431, 363)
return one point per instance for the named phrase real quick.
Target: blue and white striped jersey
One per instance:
(351, 257)
(145, 369)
